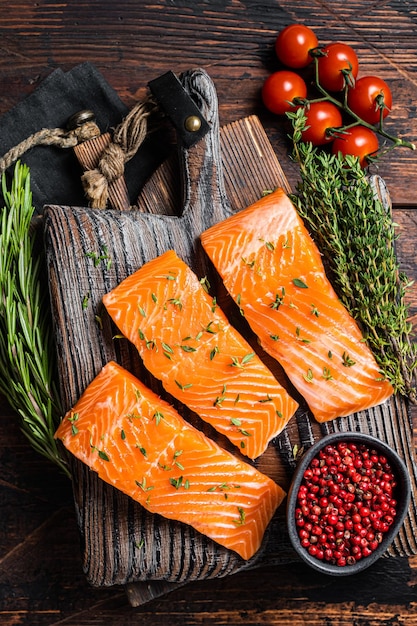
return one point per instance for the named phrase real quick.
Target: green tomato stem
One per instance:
(397, 141)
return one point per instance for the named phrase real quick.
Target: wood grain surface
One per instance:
(132, 42)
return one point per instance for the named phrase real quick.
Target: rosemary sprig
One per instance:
(26, 350)
(356, 234)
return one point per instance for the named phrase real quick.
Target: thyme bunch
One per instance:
(356, 234)
(26, 349)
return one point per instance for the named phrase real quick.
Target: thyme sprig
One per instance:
(26, 349)
(355, 232)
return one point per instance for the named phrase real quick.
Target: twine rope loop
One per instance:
(127, 138)
(50, 137)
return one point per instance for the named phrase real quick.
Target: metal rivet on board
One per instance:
(192, 123)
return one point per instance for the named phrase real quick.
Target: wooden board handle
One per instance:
(201, 165)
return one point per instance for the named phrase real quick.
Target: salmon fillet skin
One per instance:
(139, 443)
(272, 268)
(186, 341)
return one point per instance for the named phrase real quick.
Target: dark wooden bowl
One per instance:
(402, 495)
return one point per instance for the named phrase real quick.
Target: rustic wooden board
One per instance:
(112, 526)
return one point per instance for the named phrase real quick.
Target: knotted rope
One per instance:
(127, 138)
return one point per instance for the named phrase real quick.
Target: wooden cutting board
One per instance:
(88, 253)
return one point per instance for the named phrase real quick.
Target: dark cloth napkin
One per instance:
(55, 172)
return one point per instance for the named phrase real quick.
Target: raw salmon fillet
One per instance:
(139, 444)
(186, 341)
(273, 269)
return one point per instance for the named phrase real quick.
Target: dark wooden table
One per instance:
(131, 42)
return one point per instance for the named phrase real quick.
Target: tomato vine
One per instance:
(341, 110)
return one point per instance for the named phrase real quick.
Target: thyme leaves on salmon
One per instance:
(143, 485)
(205, 283)
(180, 482)
(177, 454)
(237, 423)
(347, 361)
(141, 449)
(327, 374)
(279, 299)
(186, 348)
(182, 386)
(101, 453)
(223, 487)
(219, 399)
(158, 416)
(175, 462)
(243, 361)
(176, 302)
(242, 517)
(27, 353)
(309, 376)
(299, 337)
(266, 399)
(355, 232)
(298, 282)
(72, 419)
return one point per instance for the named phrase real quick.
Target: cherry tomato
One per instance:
(364, 97)
(280, 89)
(358, 141)
(321, 116)
(293, 44)
(336, 58)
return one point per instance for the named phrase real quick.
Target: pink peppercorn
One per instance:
(345, 503)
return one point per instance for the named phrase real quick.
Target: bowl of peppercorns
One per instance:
(348, 499)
